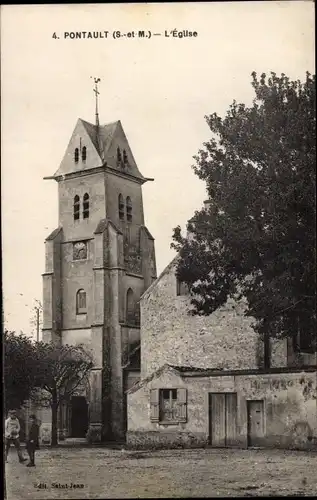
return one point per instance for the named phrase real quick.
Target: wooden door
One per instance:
(231, 419)
(222, 419)
(218, 420)
(255, 422)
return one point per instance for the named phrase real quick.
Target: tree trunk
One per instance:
(54, 407)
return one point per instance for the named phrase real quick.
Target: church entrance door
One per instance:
(79, 416)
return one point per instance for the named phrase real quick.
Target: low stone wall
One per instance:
(170, 440)
(174, 440)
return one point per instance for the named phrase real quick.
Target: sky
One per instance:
(161, 88)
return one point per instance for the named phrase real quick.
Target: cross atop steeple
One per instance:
(96, 80)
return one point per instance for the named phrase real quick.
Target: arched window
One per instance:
(76, 207)
(125, 157)
(81, 305)
(84, 153)
(130, 307)
(86, 206)
(119, 158)
(129, 209)
(76, 155)
(121, 207)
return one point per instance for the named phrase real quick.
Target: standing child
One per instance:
(32, 443)
(12, 431)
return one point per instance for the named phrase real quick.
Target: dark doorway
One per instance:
(255, 422)
(79, 416)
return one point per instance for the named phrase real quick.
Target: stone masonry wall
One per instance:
(225, 339)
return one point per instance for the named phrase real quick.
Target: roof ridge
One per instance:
(160, 276)
(103, 125)
(150, 377)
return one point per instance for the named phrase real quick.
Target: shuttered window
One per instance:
(182, 404)
(168, 405)
(154, 402)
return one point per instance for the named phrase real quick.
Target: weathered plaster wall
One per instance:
(289, 403)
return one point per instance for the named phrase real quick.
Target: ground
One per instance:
(115, 473)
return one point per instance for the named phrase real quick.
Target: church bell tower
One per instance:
(99, 261)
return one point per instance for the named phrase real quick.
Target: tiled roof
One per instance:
(105, 131)
(148, 379)
(180, 370)
(106, 134)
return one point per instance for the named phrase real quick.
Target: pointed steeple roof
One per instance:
(102, 143)
(105, 134)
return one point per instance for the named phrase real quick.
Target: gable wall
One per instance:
(80, 138)
(224, 339)
(119, 140)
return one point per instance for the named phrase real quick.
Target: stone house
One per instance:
(210, 380)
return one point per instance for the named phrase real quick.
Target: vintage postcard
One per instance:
(158, 214)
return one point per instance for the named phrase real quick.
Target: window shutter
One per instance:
(154, 405)
(182, 404)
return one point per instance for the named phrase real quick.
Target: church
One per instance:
(98, 262)
(161, 376)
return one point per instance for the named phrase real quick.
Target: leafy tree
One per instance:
(19, 369)
(257, 237)
(61, 368)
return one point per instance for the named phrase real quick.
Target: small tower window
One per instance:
(119, 158)
(125, 157)
(86, 206)
(81, 305)
(76, 207)
(129, 209)
(132, 309)
(181, 288)
(76, 155)
(84, 153)
(121, 207)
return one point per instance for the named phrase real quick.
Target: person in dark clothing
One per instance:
(32, 443)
